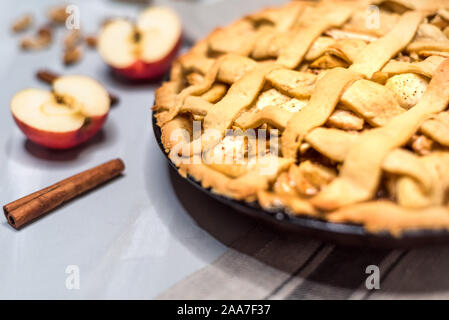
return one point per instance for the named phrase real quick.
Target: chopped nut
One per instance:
(22, 23)
(58, 15)
(34, 43)
(30, 43)
(45, 32)
(40, 41)
(46, 76)
(72, 55)
(72, 39)
(91, 41)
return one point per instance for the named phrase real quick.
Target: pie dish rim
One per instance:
(340, 233)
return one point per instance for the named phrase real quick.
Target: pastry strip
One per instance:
(293, 83)
(375, 55)
(229, 68)
(238, 38)
(321, 19)
(199, 89)
(215, 93)
(361, 171)
(411, 194)
(374, 102)
(240, 95)
(437, 128)
(325, 97)
(335, 144)
(273, 115)
(426, 67)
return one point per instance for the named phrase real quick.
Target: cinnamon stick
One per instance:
(48, 77)
(22, 211)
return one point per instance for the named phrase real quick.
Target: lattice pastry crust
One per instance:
(351, 95)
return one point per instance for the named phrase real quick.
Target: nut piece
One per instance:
(58, 15)
(72, 39)
(41, 40)
(32, 43)
(46, 76)
(22, 23)
(72, 47)
(45, 32)
(73, 55)
(91, 41)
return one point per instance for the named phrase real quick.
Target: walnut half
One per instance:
(22, 23)
(41, 40)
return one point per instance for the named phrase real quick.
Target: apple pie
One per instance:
(336, 109)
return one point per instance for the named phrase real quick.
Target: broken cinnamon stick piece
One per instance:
(24, 210)
(48, 77)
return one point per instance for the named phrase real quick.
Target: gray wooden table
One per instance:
(149, 234)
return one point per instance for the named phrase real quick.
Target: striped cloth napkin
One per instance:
(264, 262)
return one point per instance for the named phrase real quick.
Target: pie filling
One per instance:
(335, 109)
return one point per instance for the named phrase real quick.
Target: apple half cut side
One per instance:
(144, 50)
(71, 114)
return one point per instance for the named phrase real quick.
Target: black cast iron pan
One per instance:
(345, 234)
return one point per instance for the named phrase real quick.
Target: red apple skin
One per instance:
(141, 70)
(62, 140)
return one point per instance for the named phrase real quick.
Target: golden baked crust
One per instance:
(350, 96)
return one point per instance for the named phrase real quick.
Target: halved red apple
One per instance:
(144, 50)
(71, 114)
